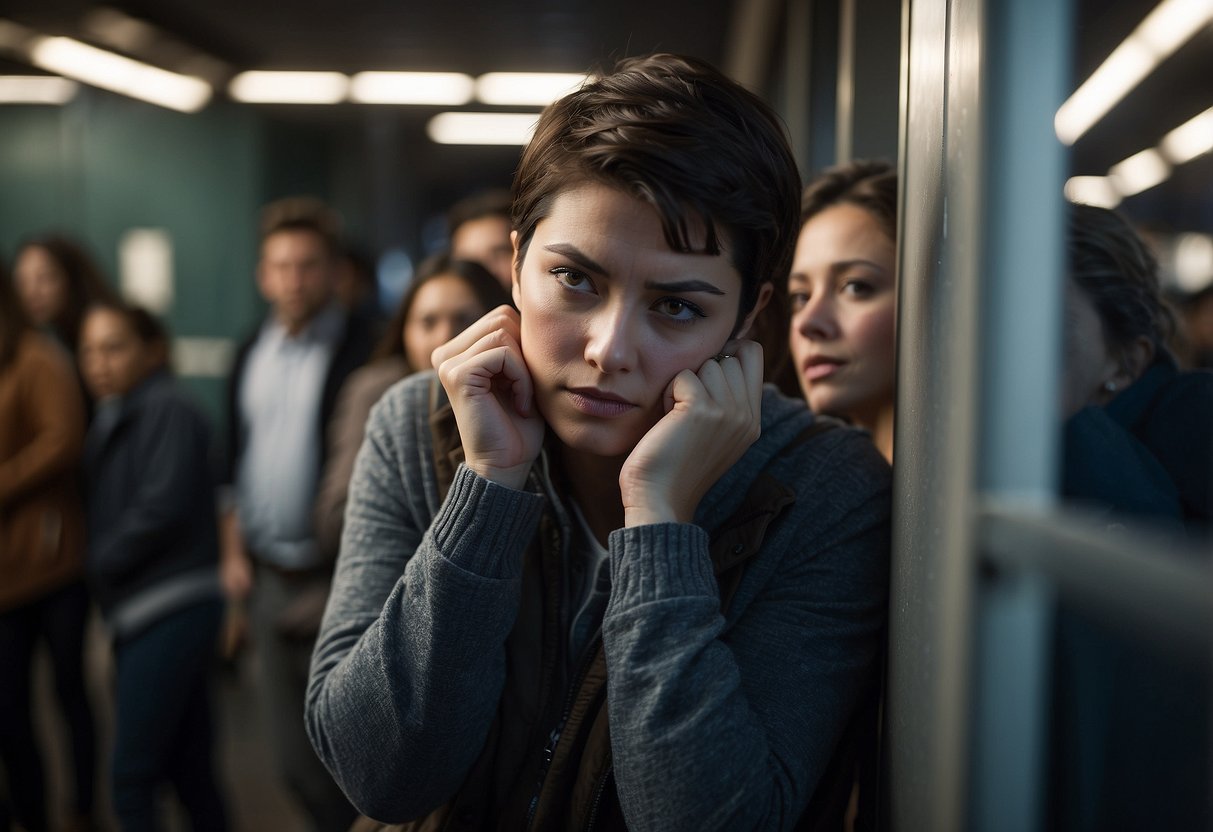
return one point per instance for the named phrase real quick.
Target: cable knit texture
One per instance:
(719, 719)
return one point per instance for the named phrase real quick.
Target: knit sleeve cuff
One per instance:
(659, 561)
(484, 527)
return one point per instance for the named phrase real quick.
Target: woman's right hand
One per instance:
(490, 389)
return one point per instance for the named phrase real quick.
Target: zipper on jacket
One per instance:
(599, 790)
(549, 750)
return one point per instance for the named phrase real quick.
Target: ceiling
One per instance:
(477, 36)
(1180, 88)
(473, 36)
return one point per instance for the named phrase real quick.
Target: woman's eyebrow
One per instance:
(576, 255)
(685, 286)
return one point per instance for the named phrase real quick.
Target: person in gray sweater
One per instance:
(593, 575)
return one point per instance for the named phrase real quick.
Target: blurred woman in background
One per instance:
(153, 564)
(446, 295)
(56, 281)
(842, 295)
(1128, 740)
(41, 547)
(1137, 434)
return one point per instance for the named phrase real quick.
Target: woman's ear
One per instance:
(764, 297)
(515, 270)
(1134, 359)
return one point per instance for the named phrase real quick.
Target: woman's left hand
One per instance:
(712, 417)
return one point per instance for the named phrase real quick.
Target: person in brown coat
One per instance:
(42, 594)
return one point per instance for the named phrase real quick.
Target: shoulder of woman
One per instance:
(38, 350)
(404, 409)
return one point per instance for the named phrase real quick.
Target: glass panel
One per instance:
(1129, 733)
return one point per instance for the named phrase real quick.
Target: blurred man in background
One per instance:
(282, 394)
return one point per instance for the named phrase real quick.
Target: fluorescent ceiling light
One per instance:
(1169, 26)
(482, 128)
(1190, 139)
(521, 89)
(1092, 190)
(36, 89)
(446, 88)
(289, 87)
(1139, 172)
(1193, 261)
(122, 75)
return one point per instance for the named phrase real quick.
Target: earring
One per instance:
(1109, 386)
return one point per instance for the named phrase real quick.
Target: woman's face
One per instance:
(842, 293)
(41, 285)
(610, 314)
(1089, 363)
(113, 360)
(443, 307)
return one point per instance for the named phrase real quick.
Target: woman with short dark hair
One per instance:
(592, 574)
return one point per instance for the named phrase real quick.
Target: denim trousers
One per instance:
(165, 728)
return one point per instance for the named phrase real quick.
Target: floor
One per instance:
(256, 800)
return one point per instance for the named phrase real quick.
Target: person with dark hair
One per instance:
(1128, 724)
(1197, 309)
(153, 565)
(842, 294)
(592, 574)
(479, 228)
(445, 297)
(42, 595)
(57, 280)
(1137, 438)
(281, 397)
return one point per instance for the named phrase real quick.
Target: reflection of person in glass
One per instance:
(1129, 739)
(1137, 437)
(574, 596)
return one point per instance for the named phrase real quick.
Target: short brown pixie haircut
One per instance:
(674, 132)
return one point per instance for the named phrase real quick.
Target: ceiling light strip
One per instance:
(1169, 26)
(482, 128)
(265, 87)
(1144, 170)
(523, 89)
(113, 72)
(448, 89)
(36, 89)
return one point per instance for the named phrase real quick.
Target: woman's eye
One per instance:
(797, 300)
(678, 310)
(572, 279)
(859, 288)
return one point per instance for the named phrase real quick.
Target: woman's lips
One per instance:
(819, 368)
(599, 403)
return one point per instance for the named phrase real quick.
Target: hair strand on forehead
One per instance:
(708, 155)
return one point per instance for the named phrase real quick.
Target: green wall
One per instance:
(104, 164)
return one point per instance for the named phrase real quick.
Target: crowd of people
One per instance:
(543, 551)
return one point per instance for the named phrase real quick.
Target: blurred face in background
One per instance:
(41, 285)
(1094, 371)
(297, 276)
(443, 307)
(113, 359)
(842, 294)
(486, 240)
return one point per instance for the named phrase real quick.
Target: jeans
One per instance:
(59, 618)
(165, 728)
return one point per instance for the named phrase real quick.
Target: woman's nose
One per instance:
(610, 343)
(817, 320)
